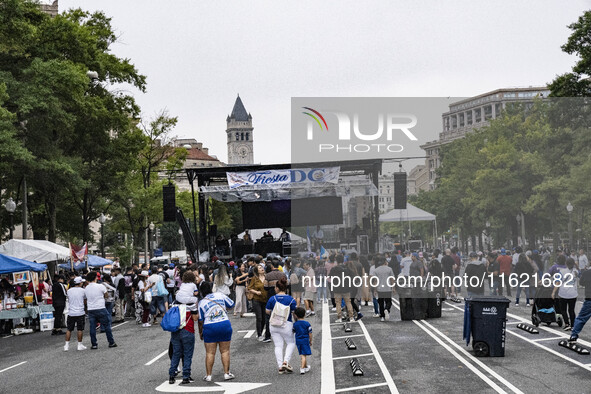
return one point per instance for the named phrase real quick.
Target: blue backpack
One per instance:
(172, 319)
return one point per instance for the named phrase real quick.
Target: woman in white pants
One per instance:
(240, 281)
(283, 333)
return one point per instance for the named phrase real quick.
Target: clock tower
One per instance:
(239, 133)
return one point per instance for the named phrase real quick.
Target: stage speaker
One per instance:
(400, 190)
(168, 203)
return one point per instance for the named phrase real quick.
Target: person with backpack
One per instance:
(215, 329)
(280, 308)
(183, 345)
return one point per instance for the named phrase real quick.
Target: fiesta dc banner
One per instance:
(284, 177)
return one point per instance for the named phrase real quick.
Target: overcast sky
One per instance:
(198, 55)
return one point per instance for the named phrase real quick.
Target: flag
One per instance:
(308, 238)
(323, 252)
(78, 253)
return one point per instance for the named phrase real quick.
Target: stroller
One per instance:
(544, 308)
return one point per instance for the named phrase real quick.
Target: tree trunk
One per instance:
(52, 219)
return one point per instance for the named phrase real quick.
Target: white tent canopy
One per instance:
(35, 250)
(410, 214)
(275, 232)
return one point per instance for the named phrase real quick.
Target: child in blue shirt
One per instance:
(303, 337)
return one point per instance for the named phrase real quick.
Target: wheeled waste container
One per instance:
(413, 303)
(434, 302)
(485, 319)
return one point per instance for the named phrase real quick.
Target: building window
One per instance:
(242, 136)
(247, 136)
(237, 136)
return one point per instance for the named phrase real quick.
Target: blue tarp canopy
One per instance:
(93, 261)
(12, 264)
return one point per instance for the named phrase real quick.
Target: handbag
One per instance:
(160, 289)
(147, 296)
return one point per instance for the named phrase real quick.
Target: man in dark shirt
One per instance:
(585, 312)
(447, 263)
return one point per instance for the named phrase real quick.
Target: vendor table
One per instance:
(30, 311)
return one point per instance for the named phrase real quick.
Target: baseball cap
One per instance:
(528, 253)
(421, 254)
(171, 265)
(415, 255)
(536, 251)
(479, 253)
(144, 273)
(231, 263)
(503, 251)
(78, 280)
(473, 254)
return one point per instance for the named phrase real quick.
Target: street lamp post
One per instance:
(10, 208)
(518, 218)
(488, 235)
(102, 220)
(151, 227)
(569, 208)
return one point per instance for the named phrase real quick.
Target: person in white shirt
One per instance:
(159, 303)
(568, 293)
(76, 318)
(583, 261)
(97, 311)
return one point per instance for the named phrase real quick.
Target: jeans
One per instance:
(384, 302)
(109, 307)
(280, 335)
(157, 304)
(100, 315)
(582, 318)
(183, 344)
(525, 289)
(259, 310)
(376, 308)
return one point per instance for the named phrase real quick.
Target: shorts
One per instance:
(76, 321)
(309, 295)
(304, 349)
(217, 332)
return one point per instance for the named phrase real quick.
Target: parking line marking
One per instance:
(119, 325)
(587, 367)
(478, 373)
(152, 361)
(349, 357)
(473, 358)
(546, 339)
(327, 381)
(349, 336)
(372, 346)
(514, 322)
(14, 366)
(249, 333)
(8, 336)
(367, 386)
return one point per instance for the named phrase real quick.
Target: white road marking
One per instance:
(372, 346)
(14, 366)
(349, 336)
(587, 367)
(152, 361)
(460, 359)
(513, 322)
(352, 356)
(249, 333)
(8, 336)
(546, 339)
(367, 386)
(119, 325)
(327, 381)
(335, 324)
(227, 388)
(474, 359)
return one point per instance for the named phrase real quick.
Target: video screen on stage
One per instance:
(292, 213)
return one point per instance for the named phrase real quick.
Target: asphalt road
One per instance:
(406, 356)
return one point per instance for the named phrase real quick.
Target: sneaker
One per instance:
(260, 339)
(382, 319)
(94, 347)
(517, 304)
(81, 347)
(187, 381)
(171, 380)
(207, 378)
(113, 344)
(66, 346)
(266, 340)
(338, 321)
(333, 309)
(528, 304)
(312, 313)
(376, 315)
(302, 371)
(146, 325)
(307, 369)
(359, 316)
(387, 313)
(229, 376)
(572, 340)
(287, 368)
(307, 313)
